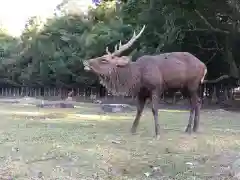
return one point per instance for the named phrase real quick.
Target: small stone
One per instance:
(236, 168)
(167, 150)
(157, 169)
(116, 108)
(97, 101)
(147, 174)
(40, 174)
(190, 164)
(95, 176)
(56, 105)
(237, 176)
(16, 149)
(116, 142)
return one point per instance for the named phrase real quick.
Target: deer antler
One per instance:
(129, 43)
(124, 47)
(107, 51)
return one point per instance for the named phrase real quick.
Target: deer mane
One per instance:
(123, 80)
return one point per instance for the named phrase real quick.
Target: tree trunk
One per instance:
(234, 72)
(118, 6)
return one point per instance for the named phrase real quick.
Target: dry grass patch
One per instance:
(57, 143)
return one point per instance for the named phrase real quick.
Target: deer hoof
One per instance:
(133, 131)
(195, 129)
(158, 137)
(188, 130)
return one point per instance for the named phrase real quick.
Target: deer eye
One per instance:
(104, 61)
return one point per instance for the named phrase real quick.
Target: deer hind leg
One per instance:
(141, 100)
(197, 115)
(155, 101)
(193, 107)
(190, 120)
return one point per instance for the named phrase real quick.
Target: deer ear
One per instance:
(108, 58)
(123, 60)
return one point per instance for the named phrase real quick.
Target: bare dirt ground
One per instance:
(84, 143)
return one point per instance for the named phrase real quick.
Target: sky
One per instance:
(15, 13)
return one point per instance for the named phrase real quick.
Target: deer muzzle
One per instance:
(86, 66)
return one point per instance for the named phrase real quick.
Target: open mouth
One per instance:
(87, 68)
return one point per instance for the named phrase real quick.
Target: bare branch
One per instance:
(196, 30)
(209, 25)
(8, 61)
(216, 44)
(210, 59)
(216, 80)
(216, 48)
(234, 4)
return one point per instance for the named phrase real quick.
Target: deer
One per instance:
(149, 77)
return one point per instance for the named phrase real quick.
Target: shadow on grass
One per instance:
(110, 145)
(93, 145)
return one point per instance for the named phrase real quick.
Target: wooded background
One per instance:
(50, 54)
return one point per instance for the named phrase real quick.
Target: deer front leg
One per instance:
(193, 105)
(155, 98)
(189, 126)
(140, 106)
(197, 116)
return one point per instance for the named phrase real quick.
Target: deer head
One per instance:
(104, 64)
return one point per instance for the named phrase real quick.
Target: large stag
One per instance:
(149, 77)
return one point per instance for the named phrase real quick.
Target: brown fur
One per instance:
(122, 80)
(150, 76)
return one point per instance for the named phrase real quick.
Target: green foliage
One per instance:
(8, 44)
(51, 53)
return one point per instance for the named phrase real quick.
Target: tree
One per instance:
(50, 53)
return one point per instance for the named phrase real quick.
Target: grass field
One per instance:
(58, 144)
